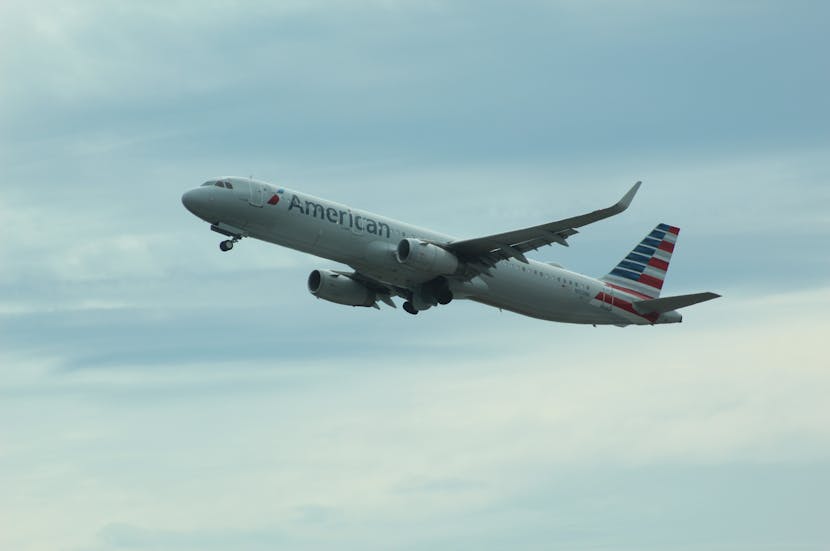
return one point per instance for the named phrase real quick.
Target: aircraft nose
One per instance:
(196, 200)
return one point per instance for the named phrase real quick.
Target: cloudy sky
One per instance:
(157, 394)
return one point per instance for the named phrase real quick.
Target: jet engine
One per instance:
(339, 288)
(426, 257)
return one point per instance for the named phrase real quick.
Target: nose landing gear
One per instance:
(234, 234)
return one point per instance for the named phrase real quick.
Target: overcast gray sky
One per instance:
(157, 394)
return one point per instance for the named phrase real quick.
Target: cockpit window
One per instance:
(218, 183)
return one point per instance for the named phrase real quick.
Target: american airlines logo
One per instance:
(340, 217)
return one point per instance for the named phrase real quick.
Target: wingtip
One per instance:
(628, 197)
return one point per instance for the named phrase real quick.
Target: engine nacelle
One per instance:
(339, 288)
(426, 257)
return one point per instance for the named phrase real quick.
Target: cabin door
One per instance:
(257, 193)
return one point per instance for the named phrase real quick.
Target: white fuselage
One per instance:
(367, 242)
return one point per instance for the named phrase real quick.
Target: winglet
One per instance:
(623, 203)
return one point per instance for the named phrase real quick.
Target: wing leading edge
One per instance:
(485, 252)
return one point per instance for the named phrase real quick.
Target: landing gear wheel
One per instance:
(409, 308)
(444, 296)
(226, 245)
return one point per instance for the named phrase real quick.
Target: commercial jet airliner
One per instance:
(390, 259)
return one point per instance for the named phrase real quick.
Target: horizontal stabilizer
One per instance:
(667, 304)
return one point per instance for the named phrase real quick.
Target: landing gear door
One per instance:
(257, 194)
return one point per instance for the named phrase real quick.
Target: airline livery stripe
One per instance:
(662, 255)
(644, 250)
(651, 242)
(654, 272)
(659, 264)
(637, 258)
(636, 286)
(667, 228)
(629, 291)
(626, 306)
(657, 234)
(632, 266)
(626, 274)
(651, 281)
(666, 246)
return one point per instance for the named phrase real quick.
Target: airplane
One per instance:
(391, 259)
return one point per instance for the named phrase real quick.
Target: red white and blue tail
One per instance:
(644, 269)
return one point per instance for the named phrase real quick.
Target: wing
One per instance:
(483, 253)
(383, 291)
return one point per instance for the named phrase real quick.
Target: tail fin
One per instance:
(644, 269)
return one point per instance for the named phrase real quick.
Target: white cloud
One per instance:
(274, 438)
